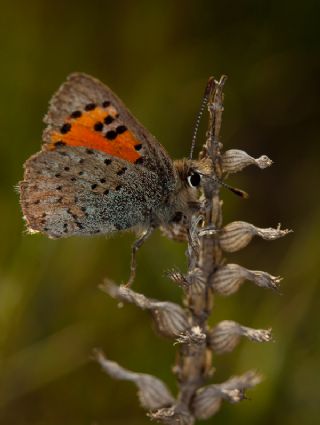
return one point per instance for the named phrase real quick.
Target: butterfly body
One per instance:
(99, 170)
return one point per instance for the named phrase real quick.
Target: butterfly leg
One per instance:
(135, 247)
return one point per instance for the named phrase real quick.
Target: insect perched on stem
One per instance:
(100, 171)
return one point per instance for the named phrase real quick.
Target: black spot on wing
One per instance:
(76, 114)
(65, 128)
(121, 129)
(111, 135)
(98, 126)
(90, 107)
(108, 119)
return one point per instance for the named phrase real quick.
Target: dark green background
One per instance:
(157, 56)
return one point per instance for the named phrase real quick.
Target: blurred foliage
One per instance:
(157, 56)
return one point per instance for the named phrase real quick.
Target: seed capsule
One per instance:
(153, 393)
(235, 160)
(238, 234)
(229, 278)
(224, 337)
(208, 399)
(170, 319)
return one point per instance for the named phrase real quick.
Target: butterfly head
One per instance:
(191, 172)
(190, 178)
(196, 174)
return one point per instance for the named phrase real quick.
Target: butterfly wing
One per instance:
(75, 116)
(70, 191)
(99, 170)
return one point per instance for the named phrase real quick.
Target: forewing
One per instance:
(85, 112)
(77, 191)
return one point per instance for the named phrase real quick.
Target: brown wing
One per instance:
(82, 103)
(70, 191)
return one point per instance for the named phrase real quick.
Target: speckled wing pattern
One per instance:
(99, 170)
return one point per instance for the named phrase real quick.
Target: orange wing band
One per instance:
(81, 132)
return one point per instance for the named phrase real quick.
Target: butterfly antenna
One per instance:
(204, 103)
(234, 190)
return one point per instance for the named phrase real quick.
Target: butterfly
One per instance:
(100, 171)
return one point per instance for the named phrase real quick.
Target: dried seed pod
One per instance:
(237, 235)
(226, 335)
(235, 160)
(227, 279)
(208, 399)
(195, 293)
(170, 319)
(197, 281)
(153, 393)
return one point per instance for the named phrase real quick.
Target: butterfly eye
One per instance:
(194, 179)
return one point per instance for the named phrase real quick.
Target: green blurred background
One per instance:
(157, 56)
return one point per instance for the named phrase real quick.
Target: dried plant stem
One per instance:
(194, 362)
(207, 274)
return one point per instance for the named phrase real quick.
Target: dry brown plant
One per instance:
(208, 273)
